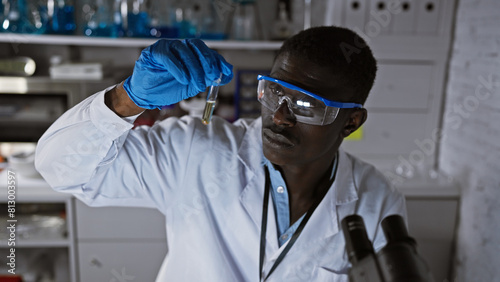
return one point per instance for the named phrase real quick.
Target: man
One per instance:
(252, 200)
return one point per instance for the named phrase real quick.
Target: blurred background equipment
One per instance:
(397, 261)
(17, 66)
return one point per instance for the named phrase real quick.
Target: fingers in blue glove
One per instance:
(178, 59)
(212, 62)
(172, 70)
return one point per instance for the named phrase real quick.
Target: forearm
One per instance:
(120, 103)
(71, 149)
(83, 153)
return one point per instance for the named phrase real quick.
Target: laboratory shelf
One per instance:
(20, 243)
(15, 38)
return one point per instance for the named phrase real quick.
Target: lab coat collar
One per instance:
(250, 151)
(344, 184)
(327, 217)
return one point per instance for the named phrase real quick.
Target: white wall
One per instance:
(470, 150)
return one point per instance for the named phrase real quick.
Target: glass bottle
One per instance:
(160, 20)
(22, 16)
(98, 18)
(244, 25)
(213, 23)
(61, 17)
(138, 19)
(2, 16)
(185, 16)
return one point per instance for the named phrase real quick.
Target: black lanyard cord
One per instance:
(264, 228)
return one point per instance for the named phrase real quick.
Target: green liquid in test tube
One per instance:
(211, 98)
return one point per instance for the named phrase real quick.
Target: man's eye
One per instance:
(276, 90)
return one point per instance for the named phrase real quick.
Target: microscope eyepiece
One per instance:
(357, 243)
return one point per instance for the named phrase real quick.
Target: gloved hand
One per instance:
(170, 71)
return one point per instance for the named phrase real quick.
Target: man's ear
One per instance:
(356, 118)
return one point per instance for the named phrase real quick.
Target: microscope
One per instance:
(397, 261)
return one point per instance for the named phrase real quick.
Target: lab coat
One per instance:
(208, 181)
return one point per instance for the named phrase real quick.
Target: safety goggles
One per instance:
(304, 106)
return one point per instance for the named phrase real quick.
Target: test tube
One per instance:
(211, 98)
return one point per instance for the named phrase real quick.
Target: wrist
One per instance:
(120, 103)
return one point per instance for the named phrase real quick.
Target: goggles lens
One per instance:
(304, 106)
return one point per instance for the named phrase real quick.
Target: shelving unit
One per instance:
(15, 38)
(56, 253)
(23, 243)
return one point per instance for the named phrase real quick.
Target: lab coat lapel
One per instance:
(252, 196)
(252, 199)
(325, 221)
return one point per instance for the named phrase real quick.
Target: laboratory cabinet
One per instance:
(44, 238)
(433, 212)
(117, 241)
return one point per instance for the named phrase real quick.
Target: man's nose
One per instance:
(283, 116)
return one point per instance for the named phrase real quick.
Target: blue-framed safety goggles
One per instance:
(305, 106)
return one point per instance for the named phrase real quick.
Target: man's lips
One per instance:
(276, 139)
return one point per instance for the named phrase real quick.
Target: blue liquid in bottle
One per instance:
(16, 19)
(138, 24)
(63, 21)
(1, 16)
(100, 23)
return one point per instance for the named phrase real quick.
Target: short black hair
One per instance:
(340, 49)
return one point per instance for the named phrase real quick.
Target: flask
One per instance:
(282, 28)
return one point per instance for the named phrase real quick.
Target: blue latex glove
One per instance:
(170, 71)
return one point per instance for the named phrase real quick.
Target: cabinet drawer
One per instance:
(122, 261)
(401, 86)
(432, 219)
(389, 134)
(118, 222)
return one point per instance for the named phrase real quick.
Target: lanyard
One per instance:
(264, 227)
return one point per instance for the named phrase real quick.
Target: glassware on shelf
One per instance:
(100, 18)
(212, 22)
(23, 16)
(161, 19)
(245, 24)
(61, 17)
(2, 15)
(282, 28)
(185, 18)
(138, 19)
(119, 18)
(38, 222)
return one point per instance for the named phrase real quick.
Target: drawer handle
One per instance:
(95, 262)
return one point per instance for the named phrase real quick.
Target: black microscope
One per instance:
(397, 261)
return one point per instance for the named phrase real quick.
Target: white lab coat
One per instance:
(209, 183)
